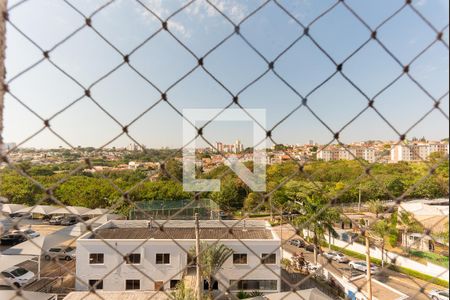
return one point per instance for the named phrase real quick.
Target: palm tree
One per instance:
(375, 206)
(182, 292)
(319, 218)
(381, 229)
(211, 260)
(443, 236)
(409, 224)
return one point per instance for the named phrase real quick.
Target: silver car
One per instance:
(362, 266)
(340, 258)
(66, 253)
(336, 256)
(439, 294)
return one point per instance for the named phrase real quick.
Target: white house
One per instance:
(430, 216)
(158, 262)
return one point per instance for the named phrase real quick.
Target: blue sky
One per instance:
(125, 95)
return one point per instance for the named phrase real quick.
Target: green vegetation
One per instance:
(182, 292)
(317, 217)
(382, 229)
(434, 258)
(375, 207)
(402, 270)
(327, 180)
(246, 295)
(419, 275)
(211, 258)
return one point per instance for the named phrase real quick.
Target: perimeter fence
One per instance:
(311, 214)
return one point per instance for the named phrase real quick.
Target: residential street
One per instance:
(409, 286)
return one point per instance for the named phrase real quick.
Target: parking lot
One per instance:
(55, 276)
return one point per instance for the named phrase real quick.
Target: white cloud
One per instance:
(421, 2)
(179, 28)
(234, 9)
(162, 11)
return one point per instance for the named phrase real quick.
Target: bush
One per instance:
(419, 275)
(434, 258)
(242, 295)
(402, 270)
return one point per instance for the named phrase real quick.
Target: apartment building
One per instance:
(348, 153)
(100, 255)
(417, 151)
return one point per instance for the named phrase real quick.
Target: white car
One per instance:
(336, 256)
(439, 294)
(340, 258)
(329, 255)
(66, 253)
(17, 276)
(29, 233)
(362, 266)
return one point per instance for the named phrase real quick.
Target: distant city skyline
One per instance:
(138, 147)
(125, 95)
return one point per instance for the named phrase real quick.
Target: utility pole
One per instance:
(369, 271)
(198, 283)
(359, 199)
(3, 16)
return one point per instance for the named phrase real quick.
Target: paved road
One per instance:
(401, 282)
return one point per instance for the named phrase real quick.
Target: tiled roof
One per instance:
(183, 233)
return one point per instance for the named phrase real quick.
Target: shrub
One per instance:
(242, 295)
(403, 270)
(419, 275)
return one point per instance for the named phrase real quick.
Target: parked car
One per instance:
(56, 220)
(17, 276)
(29, 233)
(70, 220)
(66, 253)
(439, 294)
(341, 258)
(336, 256)
(297, 243)
(329, 255)
(224, 216)
(362, 266)
(22, 215)
(310, 248)
(13, 239)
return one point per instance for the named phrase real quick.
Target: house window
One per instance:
(162, 258)
(174, 284)
(96, 284)
(253, 285)
(269, 259)
(132, 284)
(240, 258)
(134, 258)
(96, 258)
